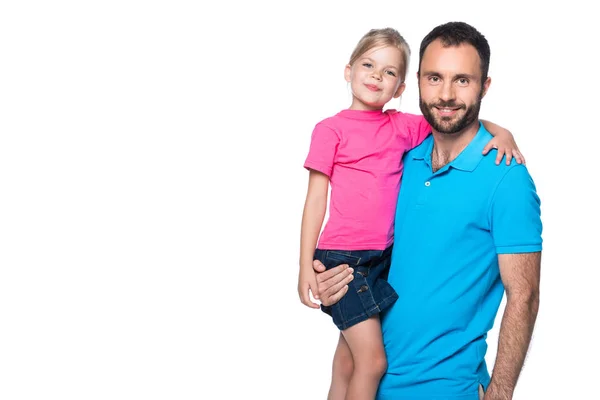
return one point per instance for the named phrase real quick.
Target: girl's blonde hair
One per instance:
(383, 37)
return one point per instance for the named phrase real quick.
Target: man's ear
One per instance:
(486, 86)
(348, 73)
(400, 90)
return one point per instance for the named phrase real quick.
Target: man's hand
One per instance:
(332, 285)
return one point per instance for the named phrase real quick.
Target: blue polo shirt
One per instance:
(450, 226)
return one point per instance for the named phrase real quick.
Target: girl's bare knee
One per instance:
(379, 365)
(375, 365)
(343, 366)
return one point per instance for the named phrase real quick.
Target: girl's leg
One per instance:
(341, 371)
(366, 346)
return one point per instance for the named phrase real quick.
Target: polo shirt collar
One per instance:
(468, 159)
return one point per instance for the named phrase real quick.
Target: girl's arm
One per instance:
(312, 220)
(417, 128)
(503, 141)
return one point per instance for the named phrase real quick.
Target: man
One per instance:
(466, 230)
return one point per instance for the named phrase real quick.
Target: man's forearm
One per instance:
(515, 334)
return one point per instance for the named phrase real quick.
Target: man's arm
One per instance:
(520, 275)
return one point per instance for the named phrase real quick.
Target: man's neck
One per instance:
(446, 147)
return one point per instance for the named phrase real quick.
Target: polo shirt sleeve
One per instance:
(515, 215)
(323, 147)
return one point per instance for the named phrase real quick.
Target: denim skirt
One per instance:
(369, 293)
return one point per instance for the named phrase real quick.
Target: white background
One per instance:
(151, 188)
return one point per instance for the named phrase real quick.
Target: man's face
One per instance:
(450, 87)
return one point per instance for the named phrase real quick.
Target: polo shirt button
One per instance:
(427, 183)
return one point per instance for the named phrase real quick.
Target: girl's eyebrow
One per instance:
(373, 62)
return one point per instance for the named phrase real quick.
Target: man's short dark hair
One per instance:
(455, 34)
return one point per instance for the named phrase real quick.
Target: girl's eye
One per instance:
(391, 73)
(368, 65)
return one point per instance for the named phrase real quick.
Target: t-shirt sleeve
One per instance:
(323, 147)
(416, 129)
(515, 214)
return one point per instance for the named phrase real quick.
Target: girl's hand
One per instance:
(307, 280)
(506, 146)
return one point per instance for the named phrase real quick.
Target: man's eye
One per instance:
(434, 79)
(463, 81)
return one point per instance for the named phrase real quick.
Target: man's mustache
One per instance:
(447, 104)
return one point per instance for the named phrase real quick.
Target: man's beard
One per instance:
(444, 125)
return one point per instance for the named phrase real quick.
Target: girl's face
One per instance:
(375, 78)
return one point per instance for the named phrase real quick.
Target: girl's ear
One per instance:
(348, 73)
(400, 90)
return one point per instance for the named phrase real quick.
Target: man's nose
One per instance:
(447, 91)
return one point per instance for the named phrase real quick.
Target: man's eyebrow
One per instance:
(467, 76)
(454, 77)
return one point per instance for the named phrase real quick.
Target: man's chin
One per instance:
(446, 127)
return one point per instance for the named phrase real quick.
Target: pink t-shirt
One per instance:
(361, 152)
